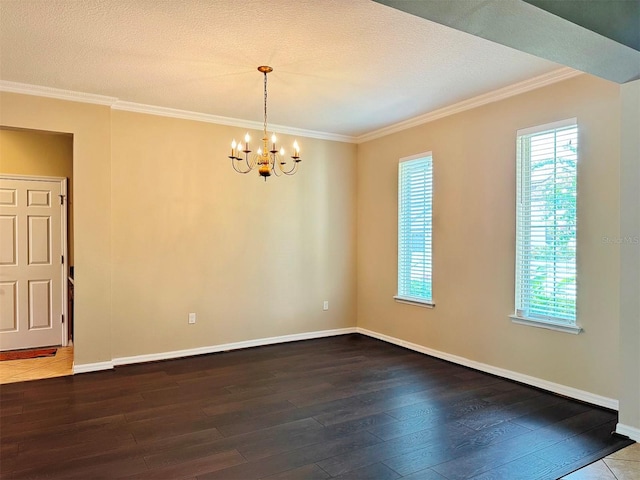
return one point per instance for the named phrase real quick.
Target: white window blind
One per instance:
(546, 223)
(415, 194)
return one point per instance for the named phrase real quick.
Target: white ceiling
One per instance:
(347, 67)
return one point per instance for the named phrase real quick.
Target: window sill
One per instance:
(559, 327)
(414, 301)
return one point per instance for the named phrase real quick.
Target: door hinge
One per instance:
(61, 199)
(62, 259)
(62, 317)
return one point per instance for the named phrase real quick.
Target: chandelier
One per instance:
(267, 159)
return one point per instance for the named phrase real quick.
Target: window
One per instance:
(546, 226)
(415, 193)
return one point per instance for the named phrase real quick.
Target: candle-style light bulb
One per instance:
(296, 148)
(282, 151)
(273, 138)
(247, 138)
(259, 151)
(233, 148)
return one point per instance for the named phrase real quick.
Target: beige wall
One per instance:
(90, 126)
(164, 227)
(474, 235)
(28, 152)
(630, 259)
(252, 259)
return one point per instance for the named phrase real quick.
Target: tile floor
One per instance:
(621, 465)
(36, 368)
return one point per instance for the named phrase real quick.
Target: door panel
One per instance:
(8, 196)
(39, 304)
(8, 239)
(39, 240)
(31, 265)
(8, 307)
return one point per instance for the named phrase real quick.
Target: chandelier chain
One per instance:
(265, 104)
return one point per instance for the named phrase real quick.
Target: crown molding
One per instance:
(500, 94)
(50, 92)
(116, 104)
(232, 122)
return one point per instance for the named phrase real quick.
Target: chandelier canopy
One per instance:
(267, 159)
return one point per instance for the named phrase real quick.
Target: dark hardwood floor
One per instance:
(347, 407)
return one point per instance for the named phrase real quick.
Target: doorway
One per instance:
(37, 169)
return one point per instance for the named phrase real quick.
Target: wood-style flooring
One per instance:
(347, 407)
(38, 368)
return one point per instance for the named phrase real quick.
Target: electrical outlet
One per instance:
(325, 305)
(192, 318)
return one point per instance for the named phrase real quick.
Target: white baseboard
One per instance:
(92, 367)
(152, 357)
(483, 367)
(632, 432)
(500, 372)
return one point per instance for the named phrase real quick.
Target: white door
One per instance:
(32, 266)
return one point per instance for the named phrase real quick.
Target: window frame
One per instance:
(403, 296)
(523, 167)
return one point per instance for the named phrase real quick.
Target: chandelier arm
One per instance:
(274, 169)
(233, 164)
(251, 160)
(291, 171)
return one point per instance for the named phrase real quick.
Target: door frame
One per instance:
(65, 254)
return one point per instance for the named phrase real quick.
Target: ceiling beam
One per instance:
(528, 28)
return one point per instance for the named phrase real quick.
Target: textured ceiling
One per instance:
(346, 67)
